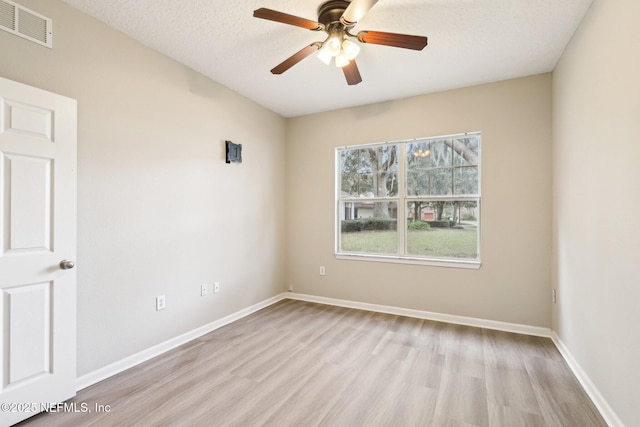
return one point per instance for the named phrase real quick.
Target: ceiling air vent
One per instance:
(26, 23)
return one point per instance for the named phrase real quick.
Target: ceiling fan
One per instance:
(337, 18)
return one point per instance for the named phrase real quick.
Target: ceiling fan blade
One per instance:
(356, 10)
(295, 58)
(392, 39)
(285, 18)
(351, 73)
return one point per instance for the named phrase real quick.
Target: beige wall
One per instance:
(513, 284)
(596, 116)
(159, 211)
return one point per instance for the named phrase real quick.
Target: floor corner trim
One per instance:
(114, 368)
(427, 315)
(598, 400)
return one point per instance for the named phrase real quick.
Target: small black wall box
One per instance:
(234, 152)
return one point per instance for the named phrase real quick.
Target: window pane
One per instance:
(389, 183)
(357, 185)
(365, 185)
(440, 182)
(429, 182)
(369, 172)
(429, 169)
(349, 161)
(441, 152)
(364, 160)
(442, 229)
(466, 180)
(349, 185)
(419, 155)
(466, 151)
(417, 183)
(369, 227)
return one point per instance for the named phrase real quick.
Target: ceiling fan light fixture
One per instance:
(350, 49)
(342, 60)
(324, 56)
(333, 45)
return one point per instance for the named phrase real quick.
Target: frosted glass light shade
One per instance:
(324, 56)
(333, 46)
(341, 60)
(350, 49)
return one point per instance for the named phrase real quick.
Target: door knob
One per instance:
(66, 264)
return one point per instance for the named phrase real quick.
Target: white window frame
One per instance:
(401, 200)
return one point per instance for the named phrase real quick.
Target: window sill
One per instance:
(466, 264)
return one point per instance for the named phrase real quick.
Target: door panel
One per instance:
(28, 329)
(28, 184)
(27, 119)
(37, 231)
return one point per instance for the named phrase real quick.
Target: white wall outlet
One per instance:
(161, 303)
(322, 270)
(290, 288)
(554, 296)
(216, 287)
(204, 290)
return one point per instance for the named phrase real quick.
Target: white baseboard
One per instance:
(128, 362)
(603, 406)
(427, 315)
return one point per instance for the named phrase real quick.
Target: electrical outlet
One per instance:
(322, 270)
(554, 296)
(161, 303)
(216, 287)
(204, 290)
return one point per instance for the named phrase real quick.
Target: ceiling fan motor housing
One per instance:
(330, 12)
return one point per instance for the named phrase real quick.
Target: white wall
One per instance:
(513, 284)
(596, 234)
(159, 210)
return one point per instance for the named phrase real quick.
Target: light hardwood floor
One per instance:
(302, 364)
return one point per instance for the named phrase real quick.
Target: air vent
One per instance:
(26, 23)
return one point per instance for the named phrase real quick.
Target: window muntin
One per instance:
(421, 200)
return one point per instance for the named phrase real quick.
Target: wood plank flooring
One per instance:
(302, 364)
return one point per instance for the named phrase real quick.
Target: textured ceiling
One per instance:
(470, 42)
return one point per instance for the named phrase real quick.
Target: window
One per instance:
(415, 201)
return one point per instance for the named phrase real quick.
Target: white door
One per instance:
(37, 233)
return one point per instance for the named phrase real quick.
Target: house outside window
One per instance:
(414, 201)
